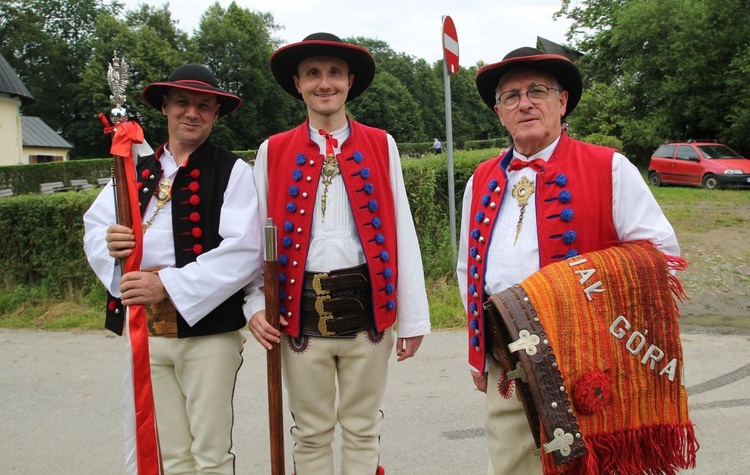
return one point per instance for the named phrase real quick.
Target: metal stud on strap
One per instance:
(562, 442)
(526, 341)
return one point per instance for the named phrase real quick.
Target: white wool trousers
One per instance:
(193, 380)
(313, 370)
(509, 440)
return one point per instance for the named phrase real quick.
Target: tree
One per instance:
(399, 115)
(48, 43)
(472, 119)
(152, 45)
(670, 63)
(237, 46)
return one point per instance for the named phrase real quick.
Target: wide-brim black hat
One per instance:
(285, 60)
(193, 77)
(560, 67)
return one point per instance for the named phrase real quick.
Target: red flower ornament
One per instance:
(592, 392)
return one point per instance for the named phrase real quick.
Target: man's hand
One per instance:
(480, 380)
(263, 331)
(407, 347)
(141, 288)
(120, 241)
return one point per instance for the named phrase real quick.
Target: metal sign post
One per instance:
(450, 66)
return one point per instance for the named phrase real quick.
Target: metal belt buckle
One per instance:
(323, 327)
(324, 316)
(316, 284)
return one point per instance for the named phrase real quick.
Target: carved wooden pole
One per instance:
(273, 356)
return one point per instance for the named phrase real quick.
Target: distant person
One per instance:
(350, 265)
(437, 147)
(549, 198)
(201, 247)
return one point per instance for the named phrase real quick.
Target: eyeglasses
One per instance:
(536, 94)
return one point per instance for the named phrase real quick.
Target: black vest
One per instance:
(197, 198)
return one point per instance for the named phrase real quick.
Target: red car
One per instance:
(707, 164)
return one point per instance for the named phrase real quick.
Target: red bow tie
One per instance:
(537, 164)
(330, 142)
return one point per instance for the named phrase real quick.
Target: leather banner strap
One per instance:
(523, 346)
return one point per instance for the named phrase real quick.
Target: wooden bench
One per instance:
(6, 193)
(52, 187)
(102, 181)
(81, 184)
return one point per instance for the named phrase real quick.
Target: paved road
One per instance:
(61, 410)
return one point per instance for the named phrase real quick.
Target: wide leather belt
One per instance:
(162, 319)
(337, 303)
(521, 347)
(162, 316)
(347, 279)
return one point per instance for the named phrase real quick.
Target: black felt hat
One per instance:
(193, 77)
(285, 60)
(560, 67)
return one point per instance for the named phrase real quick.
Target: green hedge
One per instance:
(498, 143)
(23, 179)
(414, 149)
(43, 241)
(43, 234)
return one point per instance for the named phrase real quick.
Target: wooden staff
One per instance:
(273, 356)
(122, 200)
(117, 79)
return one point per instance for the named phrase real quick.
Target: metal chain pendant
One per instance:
(522, 191)
(162, 195)
(330, 170)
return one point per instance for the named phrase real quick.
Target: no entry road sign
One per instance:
(450, 45)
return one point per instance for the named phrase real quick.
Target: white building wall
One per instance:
(11, 144)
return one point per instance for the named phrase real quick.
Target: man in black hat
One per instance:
(547, 199)
(201, 247)
(350, 265)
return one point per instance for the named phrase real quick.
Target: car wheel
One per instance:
(710, 182)
(654, 179)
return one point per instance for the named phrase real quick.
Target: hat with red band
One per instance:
(192, 77)
(285, 60)
(560, 67)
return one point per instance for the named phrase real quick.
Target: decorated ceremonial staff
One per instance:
(273, 356)
(142, 444)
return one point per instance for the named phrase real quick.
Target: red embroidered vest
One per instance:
(573, 200)
(294, 168)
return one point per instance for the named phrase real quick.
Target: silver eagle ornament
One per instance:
(117, 78)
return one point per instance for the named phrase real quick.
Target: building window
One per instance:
(44, 158)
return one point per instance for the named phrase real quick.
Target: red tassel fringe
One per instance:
(649, 451)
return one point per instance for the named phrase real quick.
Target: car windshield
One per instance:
(718, 151)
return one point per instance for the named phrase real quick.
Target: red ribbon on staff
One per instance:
(147, 446)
